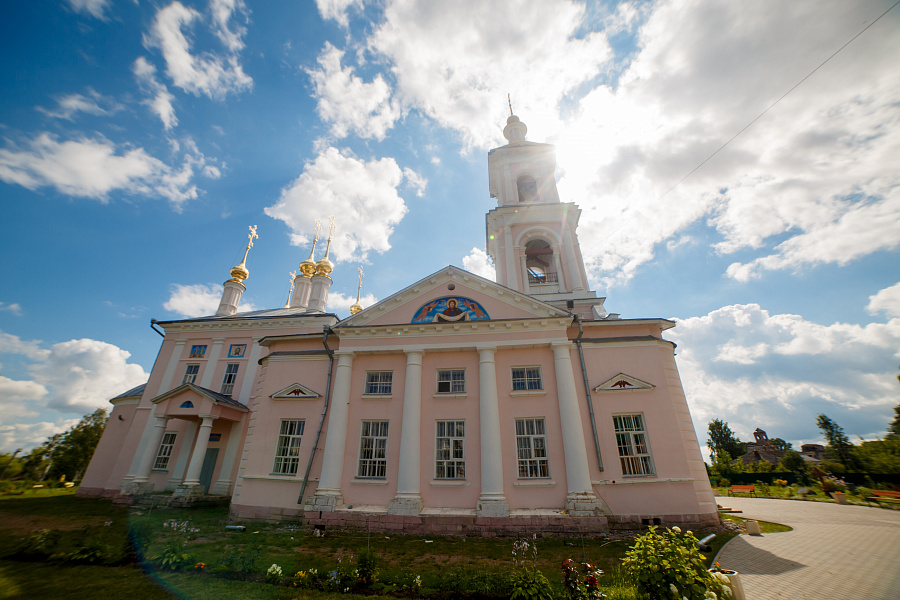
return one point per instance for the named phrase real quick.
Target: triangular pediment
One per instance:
(452, 295)
(295, 391)
(623, 383)
(189, 392)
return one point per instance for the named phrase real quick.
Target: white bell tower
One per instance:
(531, 234)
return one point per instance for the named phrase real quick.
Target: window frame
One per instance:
(287, 452)
(527, 379)
(376, 385)
(193, 375)
(372, 460)
(532, 465)
(625, 439)
(230, 378)
(451, 463)
(450, 381)
(165, 450)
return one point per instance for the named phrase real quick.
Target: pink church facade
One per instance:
(456, 405)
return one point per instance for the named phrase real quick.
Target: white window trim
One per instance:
(451, 392)
(368, 394)
(526, 391)
(196, 375)
(233, 382)
(649, 453)
(286, 458)
(170, 446)
(451, 459)
(359, 458)
(545, 459)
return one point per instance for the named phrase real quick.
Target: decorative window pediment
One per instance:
(623, 383)
(295, 391)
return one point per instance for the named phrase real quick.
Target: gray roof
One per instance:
(257, 314)
(135, 391)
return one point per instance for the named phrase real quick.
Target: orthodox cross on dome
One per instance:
(240, 273)
(291, 291)
(357, 306)
(308, 266)
(325, 266)
(509, 101)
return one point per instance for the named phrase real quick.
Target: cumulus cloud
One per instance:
(13, 308)
(18, 398)
(415, 181)
(95, 8)
(13, 344)
(452, 61)
(336, 10)
(347, 102)
(198, 300)
(96, 167)
(361, 195)
(209, 74)
(339, 303)
(92, 104)
(26, 436)
(161, 100)
(810, 182)
(477, 261)
(754, 369)
(886, 301)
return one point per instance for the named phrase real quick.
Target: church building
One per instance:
(457, 405)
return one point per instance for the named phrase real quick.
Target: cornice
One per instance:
(244, 324)
(418, 330)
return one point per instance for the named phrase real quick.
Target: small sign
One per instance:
(237, 350)
(215, 437)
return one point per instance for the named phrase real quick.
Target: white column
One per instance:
(575, 262)
(184, 453)
(223, 485)
(231, 297)
(152, 449)
(211, 362)
(250, 373)
(301, 291)
(408, 500)
(328, 495)
(523, 273)
(563, 285)
(177, 353)
(318, 295)
(509, 254)
(492, 502)
(197, 456)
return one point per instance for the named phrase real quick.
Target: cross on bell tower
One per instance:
(531, 235)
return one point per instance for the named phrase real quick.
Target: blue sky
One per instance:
(139, 140)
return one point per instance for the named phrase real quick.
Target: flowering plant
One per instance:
(273, 573)
(582, 585)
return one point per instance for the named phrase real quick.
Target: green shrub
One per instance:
(174, 557)
(725, 482)
(530, 584)
(239, 562)
(669, 565)
(367, 564)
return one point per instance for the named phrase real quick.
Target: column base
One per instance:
(137, 488)
(188, 490)
(325, 501)
(492, 506)
(585, 504)
(220, 488)
(173, 484)
(409, 505)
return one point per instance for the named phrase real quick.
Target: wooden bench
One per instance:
(884, 496)
(742, 488)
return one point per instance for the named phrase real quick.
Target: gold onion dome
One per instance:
(239, 273)
(324, 266)
(308, 267)
(355, 308)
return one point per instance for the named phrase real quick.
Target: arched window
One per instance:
(527, 188)
(187, 404)
(539, 263)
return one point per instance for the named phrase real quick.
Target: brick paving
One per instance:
(834, 552)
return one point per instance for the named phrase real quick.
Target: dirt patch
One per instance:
(18, 525)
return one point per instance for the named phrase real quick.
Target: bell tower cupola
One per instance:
(531, 235)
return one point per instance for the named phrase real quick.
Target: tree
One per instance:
(780, 444)
(894, 428)
(837, 440)
(792, 461)
(722, 439)
(73, 452)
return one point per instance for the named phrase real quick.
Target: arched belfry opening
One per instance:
(527, 189)
(540, 263)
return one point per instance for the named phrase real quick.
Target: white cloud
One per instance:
(92, 104)
(336, 10)
(94, 168)
(13, 308)
(162, 99)
(20, 398)
(347, 102)
(361, 195)
(13, 344)
(199, 300)
(415, 181)
(208, 74)
(456, 62)
(811, 182)
(339, 303)
(886, 301)
(778, 371)
(477, 261)
(26, 436)
(95, 8)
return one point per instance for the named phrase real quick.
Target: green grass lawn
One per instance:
(79, 523)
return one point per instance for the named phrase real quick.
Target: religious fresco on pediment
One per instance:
(450, 309)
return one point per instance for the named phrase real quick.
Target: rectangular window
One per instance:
(379, 382)
(634, 454)
(165, 451)
(231, 370)
(531, 446)
(198, 351)
(190, 374)
(373, 450)
(527, 378)
(287, 450)
(451, 381)
(450, 452)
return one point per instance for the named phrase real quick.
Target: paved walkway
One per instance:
(834, 552)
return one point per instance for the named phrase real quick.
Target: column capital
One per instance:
(207, 420)
(489, 350)
(344, 353)
(413, 354)
(162, 420)
(180, 342)
(561, 346)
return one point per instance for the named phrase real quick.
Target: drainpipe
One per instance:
(587, 391)
(325, 331)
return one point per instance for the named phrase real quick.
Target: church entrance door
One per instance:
(209, 465)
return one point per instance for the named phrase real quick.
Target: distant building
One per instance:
(812, 452)
(455, 405)
(761, 449)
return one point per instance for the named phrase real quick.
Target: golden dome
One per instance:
(355, 308)
(239, 273)
(308, 267)
(324, 266)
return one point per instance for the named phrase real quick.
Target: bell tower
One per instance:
(531, 234)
